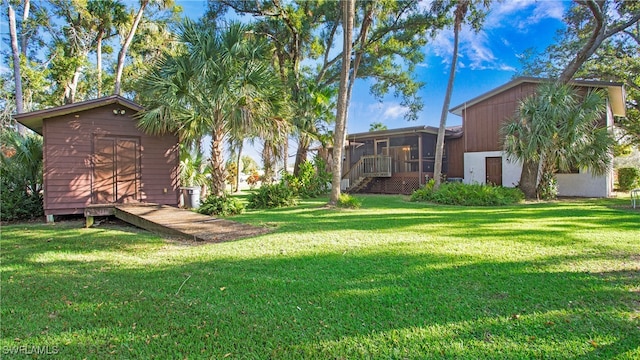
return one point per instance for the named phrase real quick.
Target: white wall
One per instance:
(475, 168)
(583, 184)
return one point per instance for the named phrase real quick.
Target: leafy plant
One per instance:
(253, 179)
(221, 205)
(628, 178)
(272, 196)
(348, 201)
(21, 195)
(425, 193)
(194, 167)
(455, 193)
(312, 179)
(548, 186)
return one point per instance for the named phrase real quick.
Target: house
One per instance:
(484, 160)
(398, 161)
(95, 154)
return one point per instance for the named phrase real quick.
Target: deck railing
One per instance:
(368, 166)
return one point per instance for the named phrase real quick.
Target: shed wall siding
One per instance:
(68, 142)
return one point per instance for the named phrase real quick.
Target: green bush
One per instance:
(272, 196)
(548, 187)
(424, 193)
(21, 177)
(221, 205)
(628, 178)
(348, 201)
(312, 179)
(468, 194)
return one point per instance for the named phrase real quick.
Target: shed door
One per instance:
(494, 170)
(116, 174)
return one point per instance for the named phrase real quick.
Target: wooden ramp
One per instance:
(185, 224)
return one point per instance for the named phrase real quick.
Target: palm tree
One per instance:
(348, 14)
(377, 126)
(219, 84)
(558, 129)
(314, 111)
(460, 12)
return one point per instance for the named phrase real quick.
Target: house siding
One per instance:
(482, 121)
(68, 162)
(455, 158)
(481, 132)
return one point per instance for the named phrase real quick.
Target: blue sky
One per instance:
(487, 60)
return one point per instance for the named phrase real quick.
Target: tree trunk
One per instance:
(99, 60)
(601, 31)
(285, 153)
(16, 59)
(72, 87)
(23, 34)
(529, 179)
(123, 50)
(267, 162)
(238, 165)
(348, 11)
(301, 154)
(217, 162)
(460, 13)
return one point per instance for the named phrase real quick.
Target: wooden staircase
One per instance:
(365, 170)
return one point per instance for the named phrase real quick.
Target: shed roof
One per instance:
(33, 120)
(615, 91)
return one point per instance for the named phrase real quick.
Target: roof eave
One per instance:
(33, 120)
(615, 90)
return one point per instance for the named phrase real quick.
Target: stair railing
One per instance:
(368, 166)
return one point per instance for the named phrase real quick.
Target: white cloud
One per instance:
(476, 48)
(393, 111)
(520, 14)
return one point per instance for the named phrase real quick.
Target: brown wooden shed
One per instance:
(94, 153)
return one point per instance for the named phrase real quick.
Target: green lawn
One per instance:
(391, 280)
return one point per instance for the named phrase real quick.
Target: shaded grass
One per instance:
(390, 280)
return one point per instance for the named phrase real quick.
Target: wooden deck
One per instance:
(185, 224)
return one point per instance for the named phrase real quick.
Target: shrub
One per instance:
(425, 193)
(253, 179)
(628, 178)
(21, 177)
(468, 194)
(348, 201)
(312, 179)
(548, 187)
(272, 196)
(17, 203)
(221, 205)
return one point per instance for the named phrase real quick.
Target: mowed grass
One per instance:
(392, 280)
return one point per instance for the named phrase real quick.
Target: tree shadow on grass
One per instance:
(384, 304)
